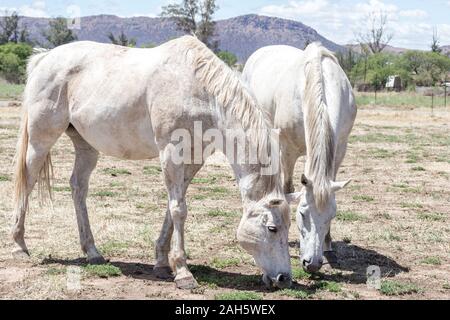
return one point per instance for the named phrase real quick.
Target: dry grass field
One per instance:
(395, 215)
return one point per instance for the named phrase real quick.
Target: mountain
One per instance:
(446, 50)
(242, 35)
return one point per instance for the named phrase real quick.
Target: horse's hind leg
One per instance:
(40, 131)
(85, 162)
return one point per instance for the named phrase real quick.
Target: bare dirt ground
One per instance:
(395, 215)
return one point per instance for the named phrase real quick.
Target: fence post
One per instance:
(445, 94)
(432, 103)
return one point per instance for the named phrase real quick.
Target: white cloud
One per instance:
(341, 22)
(36, 9)
(413, 13)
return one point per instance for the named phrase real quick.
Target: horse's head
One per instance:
(314, 224)
(263, 233)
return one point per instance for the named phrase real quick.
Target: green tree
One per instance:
(122, 40)
(9, 28)
(59, 33)
(229, 58)
(13, 61)
(195, 17)
(347, 59)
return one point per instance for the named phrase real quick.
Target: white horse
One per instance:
(127, 103)
(310, 99)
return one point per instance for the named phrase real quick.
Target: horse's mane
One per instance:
(320, 144)
(232, 95)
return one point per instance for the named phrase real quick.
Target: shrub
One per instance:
(13, 61)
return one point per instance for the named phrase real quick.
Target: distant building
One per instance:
(394, 83)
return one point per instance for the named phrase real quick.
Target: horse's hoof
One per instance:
(331, 258)
(163, 273)
(97, 261)
(187, 283)
(20, 255)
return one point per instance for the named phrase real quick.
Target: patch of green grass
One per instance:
(116, 172)
(113, 248)
(239, 295)
(377, 138)
(54, 271)
(411, 205)
(390, 236)
(293, 293)
(398, 99)
(435, 261)
(4, 178)
(382, 153)
(329, 286)
(220, 263)
(222, 213)
(412, 158)
(10, 91)
(431, 216)
(405, 188)
(152, 170)
(396, 288)
(62, 189)
(204, 180)
(299, 274)
(103, 271)
(348, 216)
(215, 190)
(117, 185)
(347, 240)
(363, 198)
(105, 194)
(199, 197)
(419, 169)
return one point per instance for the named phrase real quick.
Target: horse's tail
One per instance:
(320, 142)
(21, 175)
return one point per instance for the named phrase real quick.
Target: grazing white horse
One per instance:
(127, 103)
(310, 99)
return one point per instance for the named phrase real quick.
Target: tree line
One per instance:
(372, 66)
(194, 17)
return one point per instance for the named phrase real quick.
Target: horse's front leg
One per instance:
(162, 268)
(177, 179)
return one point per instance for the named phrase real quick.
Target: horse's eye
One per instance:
(273, 229)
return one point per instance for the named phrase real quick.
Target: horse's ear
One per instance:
(337, 186)
(293, 198)
(305, 181)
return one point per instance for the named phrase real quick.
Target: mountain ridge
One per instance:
(240, 35)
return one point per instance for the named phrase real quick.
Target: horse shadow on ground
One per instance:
(355, 261)
(352, 260)
(206, 276)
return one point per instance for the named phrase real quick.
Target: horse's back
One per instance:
(102, 89)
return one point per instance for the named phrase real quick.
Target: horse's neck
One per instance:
(253, 184)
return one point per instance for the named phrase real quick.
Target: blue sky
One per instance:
(411, 21)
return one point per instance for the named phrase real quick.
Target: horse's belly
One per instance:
(116, 135)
